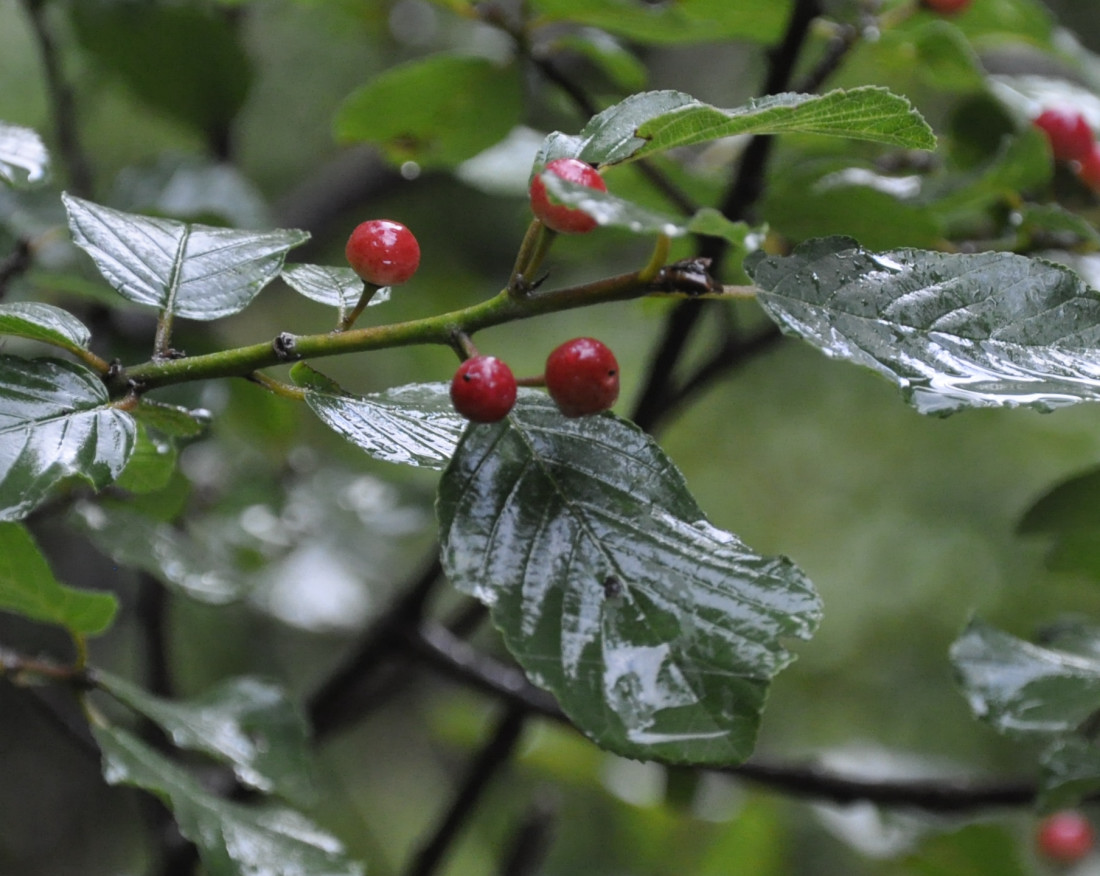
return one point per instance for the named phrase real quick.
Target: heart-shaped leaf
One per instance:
(658, 633)
(233, 839)
(23, 157)
(410, 425)
(194, 271)
(28, 587)
(952, 331)
(246, 722)
(56, 422)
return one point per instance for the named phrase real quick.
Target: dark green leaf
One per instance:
(233, 839)
(436, 111)
(411, 425)
(336, 287)
(44, 322)
(161, 549)
(247, 722)
(28, 587)
(1070, 514)
(867, 113)
(172, 420)
(1022, 688)
(151, 465)
(686, 21)
(56, 422)
(952, 331)
(182, 59)
(23, 157)
(1071, 771)
(194, 271)
(658, 633)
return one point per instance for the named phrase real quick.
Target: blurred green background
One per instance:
(905, 524)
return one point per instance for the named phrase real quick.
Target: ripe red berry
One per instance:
(483, 389)
(582, 377)
(383, 252)
(946, 7)
(1069, 134)
(567, 220)
(1065, 837)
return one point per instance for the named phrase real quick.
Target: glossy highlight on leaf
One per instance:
(28, 588)
(56, 422)
(23, 157)
(952, 331)
(233, 839)
(43, 322)
(410, 425)
(658, 633)
(194, 271)
(336, 287)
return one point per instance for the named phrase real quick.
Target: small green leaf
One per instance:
(658, 633)
(614, 212)
(28, 587)
(23, 157)
(686, 21)
(194, 271)
(410, 425)
(151, 465)
(952, 331)
(336, 287)
(172, 420)
(246, 722)
(233, 839)
(436, 111)
(56, 422)
(44, 322)
(1069, 513)
(867, 113)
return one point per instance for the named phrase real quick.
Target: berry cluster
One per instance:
(1071, 141)
(581, 376)
(1065, 837)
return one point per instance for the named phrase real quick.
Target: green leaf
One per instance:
(1070, 513)
(246, 722)
(867, 113)
(194, 271)
(23, 157)
(617, 62)
(232, 839)
(161, 549)
(181, 59)
(614, 212)
(336, 287)
(28, 587)
(686, 21)
(410, 425)
(56, 422)
(172, 420)
(44, 322)
(151, 465)
(436, 111)
(952, 331)
(658, 633)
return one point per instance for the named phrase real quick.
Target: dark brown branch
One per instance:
(492, 757)
(16, 263)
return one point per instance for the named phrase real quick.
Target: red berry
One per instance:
(946, 7)
(1069, 134)
(383, 252)
(1065, 837)
(582, 377)
(1089, 171)
(483, 389)
(567, 220)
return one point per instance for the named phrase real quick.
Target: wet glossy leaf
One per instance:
(172, 420)
(43, 322)
(233, 839)
(194, 271)
(687, 21)
(611, 211)
(151, 465)
(436, 111)
(246, 722)
(658, 633)
(23, 157)
(411, 425)
(164, 551)
(56, 422)
(336, 287)
(952, 331)
(28, 587)
(867, 113)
